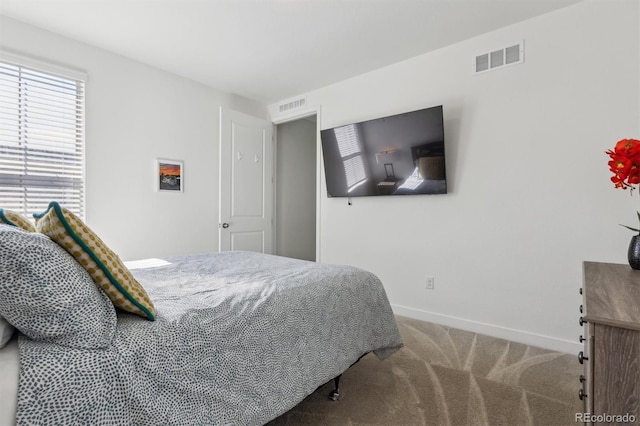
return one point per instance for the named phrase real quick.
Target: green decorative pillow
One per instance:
(104, 266)
(16, 219)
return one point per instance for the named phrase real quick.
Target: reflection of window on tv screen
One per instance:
(402, 154)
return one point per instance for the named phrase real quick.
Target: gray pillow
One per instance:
(48, 296)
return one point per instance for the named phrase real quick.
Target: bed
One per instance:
(236, 337)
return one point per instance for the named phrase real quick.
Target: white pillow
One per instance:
(6, 331)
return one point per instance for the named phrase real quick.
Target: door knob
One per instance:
(582, 358)
(225, 225)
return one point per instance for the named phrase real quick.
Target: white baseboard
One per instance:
(519, 336)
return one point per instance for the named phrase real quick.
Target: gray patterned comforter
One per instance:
(240, 338)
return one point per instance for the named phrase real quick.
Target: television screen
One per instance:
(401, 154)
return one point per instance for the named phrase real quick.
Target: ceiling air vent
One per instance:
(292, 104)
(499, 58)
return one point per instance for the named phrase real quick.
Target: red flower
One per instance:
(628, 147)
(625, 163)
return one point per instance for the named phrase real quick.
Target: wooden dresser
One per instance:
(611, 357)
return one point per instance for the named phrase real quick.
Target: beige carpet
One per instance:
(445, 376)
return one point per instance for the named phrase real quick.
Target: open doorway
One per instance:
(296, 188)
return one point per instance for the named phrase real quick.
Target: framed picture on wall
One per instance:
(169, 175)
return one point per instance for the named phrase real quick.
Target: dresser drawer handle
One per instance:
(580, 290)
(582, 358)
(581, 339)
(581, 309)
(582, 321)
(581, 394)
(582, 378)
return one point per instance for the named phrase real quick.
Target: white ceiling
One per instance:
(271, 50)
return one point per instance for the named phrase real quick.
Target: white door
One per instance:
(246, 183)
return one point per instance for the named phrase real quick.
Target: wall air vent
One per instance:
(293, 104)
(499, 58)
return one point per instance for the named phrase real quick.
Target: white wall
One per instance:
(135, 114)
(296, 189)
(529, 192)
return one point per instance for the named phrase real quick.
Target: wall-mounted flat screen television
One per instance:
(402, 154)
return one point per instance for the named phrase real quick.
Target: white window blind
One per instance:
(348, 138)
(354, 170)
(41, 140)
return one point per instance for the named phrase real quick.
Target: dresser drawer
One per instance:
(611, 355)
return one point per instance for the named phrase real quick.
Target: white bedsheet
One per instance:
(9, 373)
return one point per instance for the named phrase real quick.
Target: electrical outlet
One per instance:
(429, 282)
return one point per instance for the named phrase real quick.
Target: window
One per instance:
(348, 138)
(41, 136)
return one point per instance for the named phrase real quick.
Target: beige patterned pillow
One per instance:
(16, 219)
(104, 266)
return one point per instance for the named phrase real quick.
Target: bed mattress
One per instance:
(239, 339)
(9, 372)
